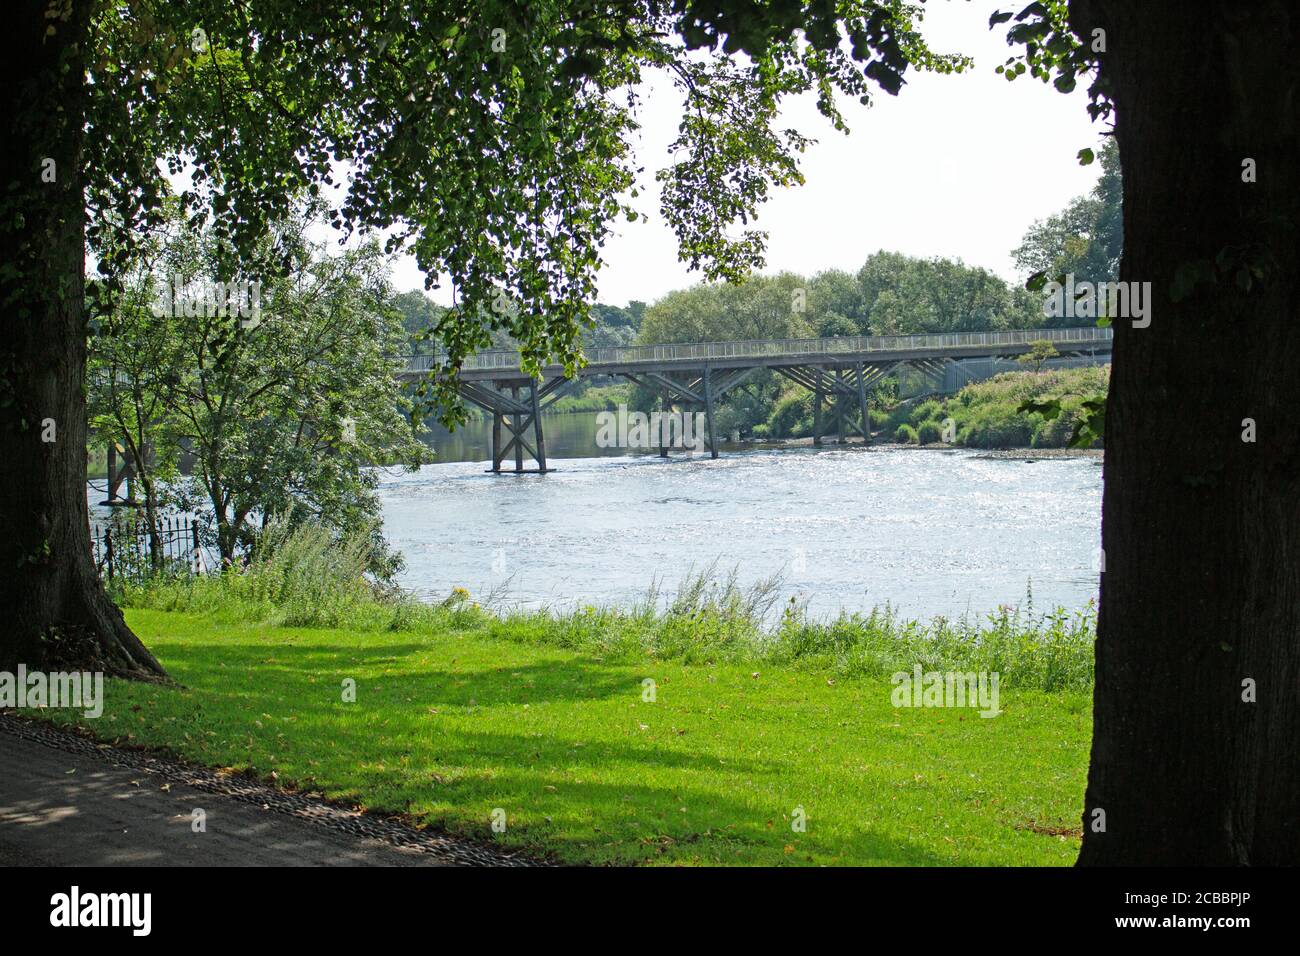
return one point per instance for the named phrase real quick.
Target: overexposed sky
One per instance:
(955, 166)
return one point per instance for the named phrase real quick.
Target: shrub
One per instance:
(906, 435)
(1056, 433)
(987, 413)
(300, 575)
(929, 409)
(929, 432)
(792, 416)
(898, 415)
(994, 431)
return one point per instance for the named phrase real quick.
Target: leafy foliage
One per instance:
(892, 294)
(1040, 351)
(489, 138)
(1053, 53)
(1088, 428)
(1085, 239)
(1002, 412)
(282, 414)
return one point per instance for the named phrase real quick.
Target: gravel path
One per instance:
(66, 800)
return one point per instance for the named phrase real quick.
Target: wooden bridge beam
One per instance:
(839, 405)
(862, 405)
(554, 390)
(116, 476)
(817, 408)
(675, 387)
(665, 404)
(516, 415)
(708, 412)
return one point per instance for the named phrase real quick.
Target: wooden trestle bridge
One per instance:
(838, 371)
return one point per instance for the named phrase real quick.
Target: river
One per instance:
(930, 532)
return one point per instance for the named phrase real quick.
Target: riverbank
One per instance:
(710, 619)
(1012, 454)
(1044, 454)
(575, 755)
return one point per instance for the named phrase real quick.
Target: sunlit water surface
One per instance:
(929, 532)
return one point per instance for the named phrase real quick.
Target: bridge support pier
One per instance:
(537, 426)
(862, 405)
(116, 476)
(835, 389)
(516, 417)
(819, 396)
(666, 404)
(839, 405)
(708, 412)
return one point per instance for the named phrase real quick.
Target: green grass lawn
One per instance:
(448, 726)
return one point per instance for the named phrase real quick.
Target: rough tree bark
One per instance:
(1201, 529)
(54, 607)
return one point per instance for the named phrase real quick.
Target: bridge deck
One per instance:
(503, 364)
(838, 371)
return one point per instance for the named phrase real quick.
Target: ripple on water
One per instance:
(929, 532)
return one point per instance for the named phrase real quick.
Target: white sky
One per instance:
(955, 166)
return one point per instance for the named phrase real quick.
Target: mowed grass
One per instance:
(448, 727)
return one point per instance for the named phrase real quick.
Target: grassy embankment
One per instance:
(460, 711)
(987, 414)
(984, 414)
(598, 398)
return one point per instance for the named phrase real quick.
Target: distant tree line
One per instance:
(612, 326)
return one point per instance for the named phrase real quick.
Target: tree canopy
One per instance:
(491, 138)
(891, 294)
(1084, 239)
(283, 402)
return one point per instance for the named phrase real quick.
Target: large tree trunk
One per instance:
(1201, 530)
(55, 611)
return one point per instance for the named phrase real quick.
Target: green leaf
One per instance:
(1048, 408)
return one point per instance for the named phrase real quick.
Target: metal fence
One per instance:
(766, 348)
(125, 549)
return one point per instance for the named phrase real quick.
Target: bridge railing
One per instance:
(765, 348)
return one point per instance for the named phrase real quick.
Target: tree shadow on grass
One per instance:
(317, 673)
(408, 745)
(558, 797)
